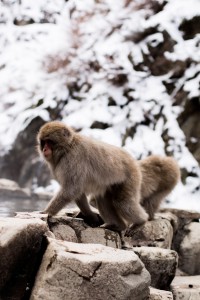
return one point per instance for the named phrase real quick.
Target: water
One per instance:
(8, 207)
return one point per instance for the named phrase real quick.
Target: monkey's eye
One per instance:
(50, 142)
(47, 142)
(42, 143)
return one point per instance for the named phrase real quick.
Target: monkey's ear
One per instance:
(66, 132)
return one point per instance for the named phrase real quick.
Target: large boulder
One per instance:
(186, 287)
(22, 163)
(161, 264)
(20, 251)
(89, 271)
(156, 233)
(189, 251)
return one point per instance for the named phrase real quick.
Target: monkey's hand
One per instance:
(93, 219)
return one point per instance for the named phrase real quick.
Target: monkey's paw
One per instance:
(93, 220)
(133, 229)
(126, 246)
(112, 227)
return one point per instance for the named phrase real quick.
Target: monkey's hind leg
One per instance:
(152, 203)
(133, 212)
(128, 206)
(139, 218)
(107, 211)
(127, 203)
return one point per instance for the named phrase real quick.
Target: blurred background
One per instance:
(125, 72)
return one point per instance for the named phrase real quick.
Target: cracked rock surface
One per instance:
(80, 271)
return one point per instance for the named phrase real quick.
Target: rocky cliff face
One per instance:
(64, 258)
(127, 73)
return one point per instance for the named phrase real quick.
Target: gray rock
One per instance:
(20, 246)
(189, 251)
(156, 233)
(186, 287)
(64, 232)
(22, 163)
(183, 214)
(87, 271)
(169, 216)
(78, 225)
(160, 294)
(101, 236)
(31, 215)
(10, 189)
(161, 264)
(8, 184)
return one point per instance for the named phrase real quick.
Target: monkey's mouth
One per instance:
(46, 154)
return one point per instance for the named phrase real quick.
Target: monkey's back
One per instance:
(158, 173)
(107, 163)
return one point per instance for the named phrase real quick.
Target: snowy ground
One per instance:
(38, 62)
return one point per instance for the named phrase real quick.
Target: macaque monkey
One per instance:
(159, 176)
(84, 167)
(126, 191)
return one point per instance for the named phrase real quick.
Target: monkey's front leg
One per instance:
(57, 203)
(91, 218)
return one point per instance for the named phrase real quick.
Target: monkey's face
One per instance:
(53, 136)
(46, 147)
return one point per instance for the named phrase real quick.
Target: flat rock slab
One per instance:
(186, 287)
(31, 215)
(87, 271)
(10, 189)
(101, 236)
(160, 294)
(183, 214)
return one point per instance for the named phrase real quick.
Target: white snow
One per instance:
(39, 61)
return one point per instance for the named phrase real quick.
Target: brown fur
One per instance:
(84, 167)
(159, 177)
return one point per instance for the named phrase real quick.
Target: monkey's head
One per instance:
(52, 137)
